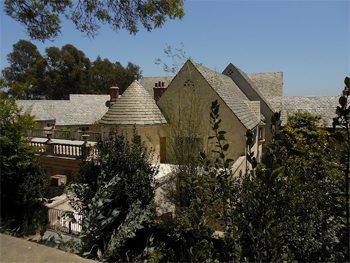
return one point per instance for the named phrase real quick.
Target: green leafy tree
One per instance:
(102, 75)
(67, 72)
(24, 76)
(343, 121)
(42, 19)
(115, 196)
(201, 201)
(22, 181)
(289, 209)
(60, 72)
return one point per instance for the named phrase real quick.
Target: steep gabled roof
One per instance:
(135, 107)
(269, 84)
(230, 94)
(324, 106)
(246, 85)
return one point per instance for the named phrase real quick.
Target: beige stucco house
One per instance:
(167, 111)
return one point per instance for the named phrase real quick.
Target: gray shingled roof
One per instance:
(78, 110)
(230, 94)
(39, 112)
(135, 107)
(323, 106)
(148, 82)
(270, 84)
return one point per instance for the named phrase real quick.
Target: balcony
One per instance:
(81, 150)
(63, 135)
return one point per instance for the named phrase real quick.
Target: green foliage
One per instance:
(22, 181)
(250, 137)
(24, 75)
(202, 203)
(42, 20)
(289, 209)
(115, 196)
(60, 72)
(343, 121)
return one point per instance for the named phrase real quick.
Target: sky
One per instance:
(309, 41)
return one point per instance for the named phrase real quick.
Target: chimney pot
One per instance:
(158, 90)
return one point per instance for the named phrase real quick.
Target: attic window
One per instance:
(230, 72)
(189, 83)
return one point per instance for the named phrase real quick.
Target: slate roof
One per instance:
(230, 94)
(39, 112)
(78, 110)
(254, 87)
(148, 82)
(324, 106)
(135, 107)
(270, 84)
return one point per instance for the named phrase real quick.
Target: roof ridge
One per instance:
(250, 82)
(265, 72)
(196, 65)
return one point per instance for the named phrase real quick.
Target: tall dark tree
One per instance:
(25, 73)
(126, 75)
(22, 182)
(102, 76)
(66, 72)
(60, 72)
(42, 19)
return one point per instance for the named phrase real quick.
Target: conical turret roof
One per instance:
(135, 107)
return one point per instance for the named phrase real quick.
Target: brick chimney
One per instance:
(114, 93)
(158, 90)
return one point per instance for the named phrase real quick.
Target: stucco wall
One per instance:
(186, 105)
(150, 136)
(252, 94)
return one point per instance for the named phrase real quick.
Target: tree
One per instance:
(22, 181)
(289, 209)
(24, 76)
(102, 75)
(42, 19)
(115, 196)
(66, 72)
(201, 200)
(343, 121)
(60, 72)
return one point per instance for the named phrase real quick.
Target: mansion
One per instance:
(164, 109)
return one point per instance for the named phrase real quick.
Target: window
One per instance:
(261, 133)
(84, 129)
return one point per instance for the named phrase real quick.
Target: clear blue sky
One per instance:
(309, 41)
